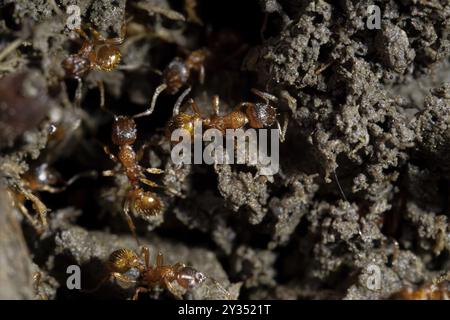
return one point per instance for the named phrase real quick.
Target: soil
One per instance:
(364, 170)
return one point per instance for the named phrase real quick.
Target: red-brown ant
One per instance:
(121, 261)
(140, 202)
(41, 178)
(255, 115)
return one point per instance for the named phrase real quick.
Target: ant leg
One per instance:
(159, 259)
(78, 93)
(154, 170)
(38, 206)
(140, 152)
(442, 278)
(201, 75)
(27, 216)
(172, 289)
(222, 289)
(109, 173)
(194, 106)
(145, 251)
(282, 130)
(87, 174)
(126, 212)
(148, 182)
(98, 37)
(176, 108)
(37, 280)
(178, 266)
(111, 156)
(264, 95)
(122, 278)
(118, 40)
(138, 291)
(215, 104)
(99, 284)
(149, 111)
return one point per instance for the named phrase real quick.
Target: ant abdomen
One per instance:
(260, 115)
(108, 57)
(124, 131)
(122, 260)
(145, 203)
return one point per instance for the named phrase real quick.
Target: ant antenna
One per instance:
(176, 108)
(158, 91)
(339, 185)
(221, 288)
(264, 95)
(101, 89)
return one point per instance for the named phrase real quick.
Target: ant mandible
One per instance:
(123, 260)
(256, 115)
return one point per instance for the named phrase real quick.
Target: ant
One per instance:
(178, 72)
(41, 178)
(436, 290)
(122, 261)
(256, 115)
(124, 135)
(98, 53)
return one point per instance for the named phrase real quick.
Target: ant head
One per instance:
(123, 131)
(175, 75)
(108, 57)
(146, 203)
(189, 277)
(76, 66)
(261, 115)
